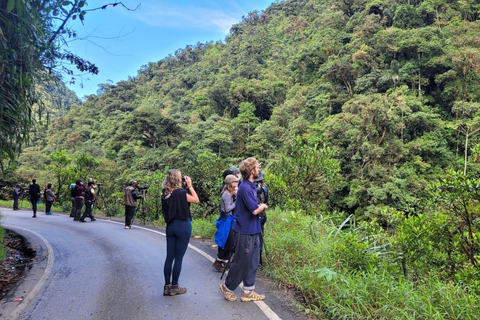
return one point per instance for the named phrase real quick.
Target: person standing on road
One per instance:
(176, 212)
(131, 198)
(247, 231)
(16, 195)
(79, 193)
(89, 201)
(224, 235)
(49, 198)
(72, 197)
(34, 192)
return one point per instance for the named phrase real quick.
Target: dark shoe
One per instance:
(166, 289)
(34, 216)
(93, 219)
(176, 289)
(82, 220)
(218, 265)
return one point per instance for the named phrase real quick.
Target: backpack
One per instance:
(72, 190)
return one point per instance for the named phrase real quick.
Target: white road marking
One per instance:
(269, 313)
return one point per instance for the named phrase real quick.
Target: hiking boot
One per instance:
(176, 289)
(252, 296)
(166, 289)
(218, 265)
(229, 294)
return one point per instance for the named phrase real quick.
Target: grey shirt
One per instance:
(228, 204)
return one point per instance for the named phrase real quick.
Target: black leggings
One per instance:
(178, 236)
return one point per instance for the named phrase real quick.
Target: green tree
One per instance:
(459, 196)
(60, 167)
(33, 35)
(467, 123)
(310, 172)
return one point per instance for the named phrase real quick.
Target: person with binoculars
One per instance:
(176, 212)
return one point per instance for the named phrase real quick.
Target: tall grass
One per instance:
(339, 276)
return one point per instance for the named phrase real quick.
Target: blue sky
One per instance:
(119, 41)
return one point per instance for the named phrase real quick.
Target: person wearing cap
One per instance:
(247, 231)
(224, 237)
(17, 191)
(131, 198)
(231, 170)
(178, 218)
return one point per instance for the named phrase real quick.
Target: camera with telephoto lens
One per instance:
(142, 189)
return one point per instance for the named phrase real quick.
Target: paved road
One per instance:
(99, 270)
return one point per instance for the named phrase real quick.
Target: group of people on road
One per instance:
(240, 228)
(35, 196)
(81, 195)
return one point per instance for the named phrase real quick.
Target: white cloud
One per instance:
(188, 16)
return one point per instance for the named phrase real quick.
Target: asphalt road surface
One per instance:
(99, 270)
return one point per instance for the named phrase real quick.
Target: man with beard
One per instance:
(247, 230)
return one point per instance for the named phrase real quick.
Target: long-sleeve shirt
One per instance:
(247, 223)
(227, 205)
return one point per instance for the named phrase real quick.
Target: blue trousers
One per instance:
(245, 262)
(178, 236)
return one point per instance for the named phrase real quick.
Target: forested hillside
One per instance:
(358, 110)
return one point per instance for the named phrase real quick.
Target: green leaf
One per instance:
(10, 5)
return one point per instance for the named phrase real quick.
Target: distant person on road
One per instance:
(176, 212)
(224, 235)
(17, 192)
(247, 231)
(79, 193)
(131, 198)
(72, 198)
(34, 193)
(89, 201)
(49, 196)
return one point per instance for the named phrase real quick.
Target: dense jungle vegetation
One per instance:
(366, 117)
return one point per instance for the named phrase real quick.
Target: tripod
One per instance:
(140, 210)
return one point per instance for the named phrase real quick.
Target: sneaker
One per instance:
(229, 294)
(126, 227)
(166, 289)
(34, 216)
(252, 296)
(218, 265)
(176, 289)
(49, 213)
(93, 219)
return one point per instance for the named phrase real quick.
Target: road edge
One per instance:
(33, 279)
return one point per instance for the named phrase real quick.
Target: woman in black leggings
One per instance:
(176, 211)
